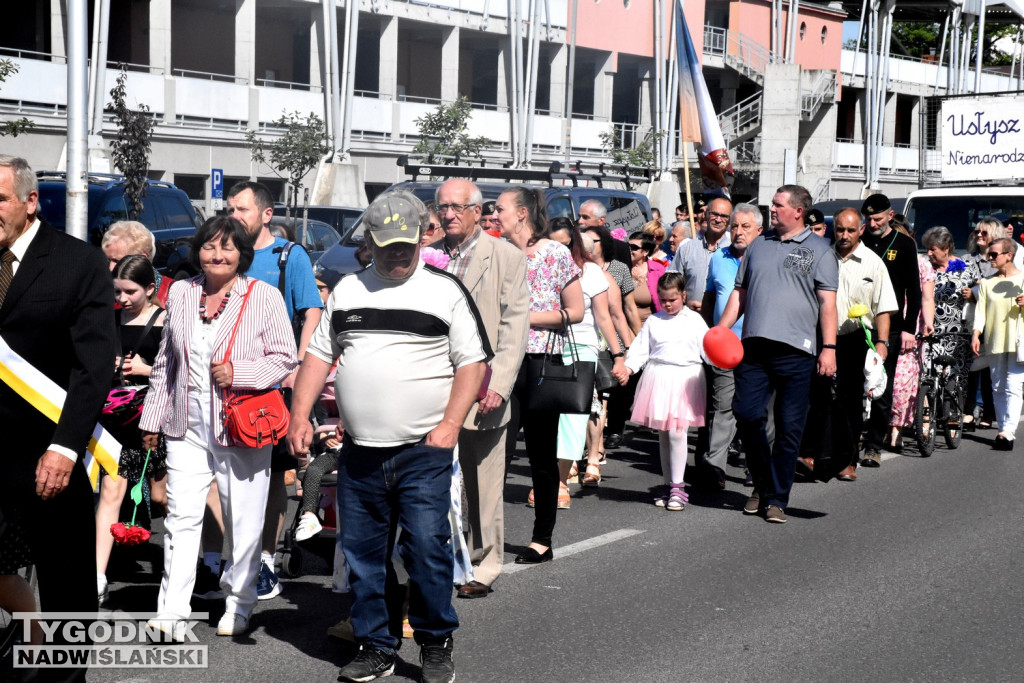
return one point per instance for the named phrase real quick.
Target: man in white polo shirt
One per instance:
(411, 354)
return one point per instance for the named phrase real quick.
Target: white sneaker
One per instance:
(232, 624)
(309, 526)
(173, 628)
(102, 591)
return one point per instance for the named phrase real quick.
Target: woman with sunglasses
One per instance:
(986, 231)
(998, 317)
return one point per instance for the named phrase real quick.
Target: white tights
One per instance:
(673, 456)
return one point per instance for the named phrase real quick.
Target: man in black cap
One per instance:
(488, 221)
(899, 254)
(815, 220)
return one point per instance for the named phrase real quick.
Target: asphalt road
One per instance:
(912, 573)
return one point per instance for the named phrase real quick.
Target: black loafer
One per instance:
(531, 556)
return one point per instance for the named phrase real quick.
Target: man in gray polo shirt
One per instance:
(786, 286)
(693, 257)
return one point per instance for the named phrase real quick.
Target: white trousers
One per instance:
(243, 478)
(1007, 391)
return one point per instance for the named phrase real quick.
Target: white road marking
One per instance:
(581, 546)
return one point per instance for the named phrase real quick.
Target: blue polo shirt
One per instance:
(725, 263)
(300, 290)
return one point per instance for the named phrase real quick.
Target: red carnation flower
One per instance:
(127, 534)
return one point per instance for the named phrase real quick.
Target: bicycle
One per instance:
(939, 402)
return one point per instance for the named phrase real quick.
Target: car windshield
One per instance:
(959, 213)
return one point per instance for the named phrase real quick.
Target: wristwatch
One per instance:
(828, 346)
(620, 354)
(882, 342)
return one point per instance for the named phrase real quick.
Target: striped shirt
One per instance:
(398, 344)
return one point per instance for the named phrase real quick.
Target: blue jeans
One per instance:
(772, 366)
(414, 480)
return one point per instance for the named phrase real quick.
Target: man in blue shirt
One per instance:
(744, 226)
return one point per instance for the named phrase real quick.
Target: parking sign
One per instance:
(216, 183)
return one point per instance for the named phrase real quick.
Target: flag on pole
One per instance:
(46, 396)
(698, 121)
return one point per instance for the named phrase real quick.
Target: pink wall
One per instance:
(752, 18)
(611, 27)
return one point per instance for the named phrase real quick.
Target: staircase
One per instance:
(821, 92)
(747, 56)
(741, 121)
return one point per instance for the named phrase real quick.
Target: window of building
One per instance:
(803, 29)
(824, 34)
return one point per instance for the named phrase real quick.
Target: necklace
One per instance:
(220, 309)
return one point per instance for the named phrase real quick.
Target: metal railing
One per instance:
(748, 151)
(32, 54)
(208, 76)
(748, 56)
(821, 190)
(288, 85)
(741, 117)
(821, 91)
(715, 40)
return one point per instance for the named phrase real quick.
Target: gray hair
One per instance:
(748, 209)
(598, 209)
(136, 237)
(939, 236)
(1008, 245)
(25, 181)
(475, 196)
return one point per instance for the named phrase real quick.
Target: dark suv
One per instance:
(167, 211)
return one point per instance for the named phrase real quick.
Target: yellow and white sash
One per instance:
(48, 398)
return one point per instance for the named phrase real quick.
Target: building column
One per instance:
(889, 120)
(317, 72)
(387, 75)
(501, 79)
(245, 40)
(57, 24)
(160, 35)
(450, 64)
(647, 97)
(604, 87)
(559, 63)
(780, 128)
(915, 123)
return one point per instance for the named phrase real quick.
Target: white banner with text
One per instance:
(982, 138)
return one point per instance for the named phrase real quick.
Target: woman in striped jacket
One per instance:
(187, 391)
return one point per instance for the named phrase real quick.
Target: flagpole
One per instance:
(689, 196)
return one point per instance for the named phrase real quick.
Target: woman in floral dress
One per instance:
(904, 392)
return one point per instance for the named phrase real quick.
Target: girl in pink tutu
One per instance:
(671, 393)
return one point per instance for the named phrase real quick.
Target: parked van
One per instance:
(959, 208)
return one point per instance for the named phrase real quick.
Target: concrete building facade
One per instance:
(209, 70)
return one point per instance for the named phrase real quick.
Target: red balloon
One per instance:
(723, 348)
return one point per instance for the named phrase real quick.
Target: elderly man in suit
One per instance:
(57, 313)
(494, 272)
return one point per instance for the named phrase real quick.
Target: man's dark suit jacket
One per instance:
(59, 316)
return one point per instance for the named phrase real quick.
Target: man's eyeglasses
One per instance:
(635, 247)
(993, 255)
(457, 208)
(719, 216)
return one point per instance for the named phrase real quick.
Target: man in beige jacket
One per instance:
(494, 272)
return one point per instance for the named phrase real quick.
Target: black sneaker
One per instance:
(207, 586)
(436, 660)
(369, 664)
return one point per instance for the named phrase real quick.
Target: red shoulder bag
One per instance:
(253, 419)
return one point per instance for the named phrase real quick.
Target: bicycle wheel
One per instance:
(952, 419)
(924, 418)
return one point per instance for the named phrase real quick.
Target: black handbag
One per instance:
(553, 386)
(605, 380)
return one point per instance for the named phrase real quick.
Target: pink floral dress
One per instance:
(904, 388)
(548, 271)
